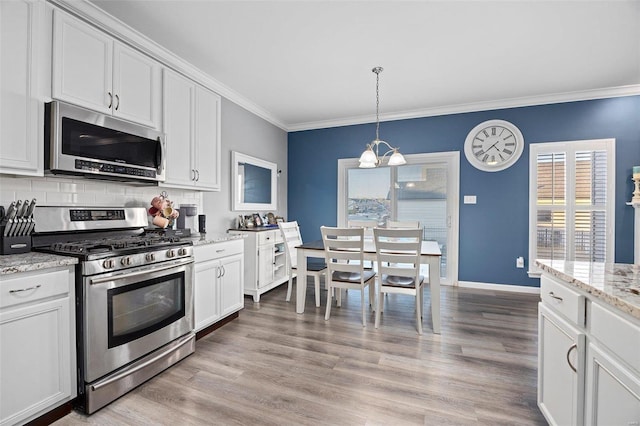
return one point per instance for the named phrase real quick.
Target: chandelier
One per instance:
(370, 158)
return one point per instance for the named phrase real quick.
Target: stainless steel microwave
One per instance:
(87, 143)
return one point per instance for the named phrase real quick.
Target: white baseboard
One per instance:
(500, 287)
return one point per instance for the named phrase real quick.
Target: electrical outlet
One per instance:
(520, 262)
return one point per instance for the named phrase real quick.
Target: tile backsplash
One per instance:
(56, 191)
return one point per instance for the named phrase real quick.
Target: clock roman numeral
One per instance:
(506, 151)
(509, 143)
(484, 159)
(481, 140)
(510, 136)
(478, 153)
(493, 131)
(485, 133)
(476, 146)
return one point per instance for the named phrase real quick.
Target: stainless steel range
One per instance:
(134, 296)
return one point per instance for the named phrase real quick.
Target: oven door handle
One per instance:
(126, 373)
(100, 280)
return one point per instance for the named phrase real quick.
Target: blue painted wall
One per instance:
(495, 230)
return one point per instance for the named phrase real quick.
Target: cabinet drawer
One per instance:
(618, 334)
(269, 237)
(562, 299)
(217, 250)
(33, 286)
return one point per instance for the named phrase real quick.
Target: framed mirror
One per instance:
(254, 183)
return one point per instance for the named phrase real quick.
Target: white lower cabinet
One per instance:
(589, 359)
(219, 281)
(561, 375)
(37, 352)
(613, 391)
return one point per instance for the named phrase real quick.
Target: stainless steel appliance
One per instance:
(83, 142)
(134, 296)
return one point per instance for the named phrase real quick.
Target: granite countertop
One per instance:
(617, 284)
(33, 261)
(213, 238)
(256, 228)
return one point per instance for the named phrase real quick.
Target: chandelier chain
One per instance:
(377, 71)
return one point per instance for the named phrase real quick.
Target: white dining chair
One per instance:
(343, 248)
(398, 260)
(291, 235)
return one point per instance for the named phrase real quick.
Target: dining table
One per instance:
(430, 255)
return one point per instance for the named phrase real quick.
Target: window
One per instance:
(425, 189)
(571, 199)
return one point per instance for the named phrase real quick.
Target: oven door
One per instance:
(131, 313)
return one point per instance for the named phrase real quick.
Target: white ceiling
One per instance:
(308, 63)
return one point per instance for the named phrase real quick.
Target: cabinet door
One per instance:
(265, 265)
(207, 139)
(561, 348)
(82, 64)
(206, 295)
(136, 86)
(21, 112)
(35, 359)
(613, 391)
(178, 108)
(231, 284)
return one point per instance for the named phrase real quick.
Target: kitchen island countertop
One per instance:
(617, 284)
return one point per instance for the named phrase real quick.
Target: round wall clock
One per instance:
(493, 145)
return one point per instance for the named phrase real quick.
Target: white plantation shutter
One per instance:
(572, 201)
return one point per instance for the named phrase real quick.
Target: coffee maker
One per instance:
(188, 218)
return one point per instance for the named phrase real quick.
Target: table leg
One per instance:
(301, 281)
(434, 282)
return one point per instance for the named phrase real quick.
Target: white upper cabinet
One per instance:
(93, 70)
(191, 117)
(22, 28)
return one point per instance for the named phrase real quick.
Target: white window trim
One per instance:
(570, 148)
(452, 159)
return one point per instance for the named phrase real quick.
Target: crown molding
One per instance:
(99, 18)
(612, 92)
(118, 29)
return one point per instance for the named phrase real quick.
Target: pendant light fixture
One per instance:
(370, 158)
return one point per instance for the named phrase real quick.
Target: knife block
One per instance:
(14, 245)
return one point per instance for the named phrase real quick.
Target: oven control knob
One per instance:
(150, 257)
(171, 253)
(108, 264)
(182, 252)
(125, 261)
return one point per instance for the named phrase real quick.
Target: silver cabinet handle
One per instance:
(572, 347)
(555, 297)
(110, 100)
(117, 100)
(197, 175)
(219, 274)
(25, 289)
(224, 271)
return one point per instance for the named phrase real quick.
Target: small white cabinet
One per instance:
(191, 117)
(219, 279)
(22, 61)
(37, 354)
(93, 70)
(265, 261)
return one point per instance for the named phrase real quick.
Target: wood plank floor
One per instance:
(274, 367)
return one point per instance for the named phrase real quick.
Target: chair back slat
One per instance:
(403, 224)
